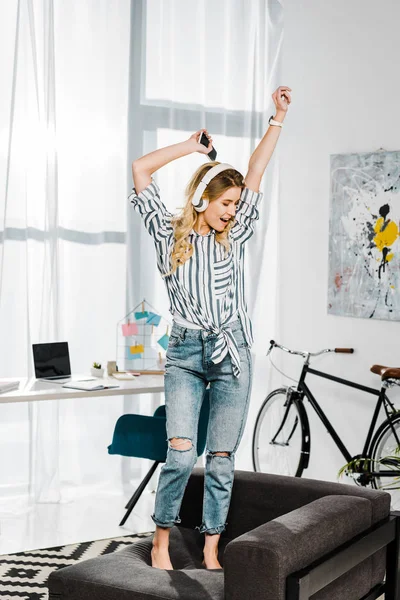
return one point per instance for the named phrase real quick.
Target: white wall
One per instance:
(341, 60)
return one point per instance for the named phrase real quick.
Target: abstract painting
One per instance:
(364, 245)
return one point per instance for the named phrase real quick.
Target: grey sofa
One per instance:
(286, 539)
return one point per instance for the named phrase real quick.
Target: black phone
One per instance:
(212, 155)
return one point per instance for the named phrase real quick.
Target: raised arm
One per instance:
(144, 167)
(262, 154)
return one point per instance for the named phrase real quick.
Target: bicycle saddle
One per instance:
(386, 372)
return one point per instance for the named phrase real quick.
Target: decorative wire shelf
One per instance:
(142, 340)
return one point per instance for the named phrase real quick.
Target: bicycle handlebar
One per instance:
(345, 350)
(304, 353)
(274, 344)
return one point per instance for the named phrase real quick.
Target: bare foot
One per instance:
(211, 560)
(160, 558)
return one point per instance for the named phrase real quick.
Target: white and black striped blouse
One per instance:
(208, 289)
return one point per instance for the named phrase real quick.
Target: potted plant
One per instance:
(96, 370)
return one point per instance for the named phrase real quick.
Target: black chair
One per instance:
(286, 539)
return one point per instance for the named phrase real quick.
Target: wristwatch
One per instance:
(272, 121)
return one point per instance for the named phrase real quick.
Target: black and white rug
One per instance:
(24, 575)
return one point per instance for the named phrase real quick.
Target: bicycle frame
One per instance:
(304, 390)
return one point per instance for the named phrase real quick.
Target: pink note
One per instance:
(129, 329)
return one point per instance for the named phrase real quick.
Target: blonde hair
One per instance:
(185, 221)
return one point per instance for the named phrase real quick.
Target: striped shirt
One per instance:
(208, 289)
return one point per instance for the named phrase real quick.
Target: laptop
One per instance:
(52, 362)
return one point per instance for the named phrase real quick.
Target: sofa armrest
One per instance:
(261, 497)
(257, 563)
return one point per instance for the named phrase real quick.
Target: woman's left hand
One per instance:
(282, 98)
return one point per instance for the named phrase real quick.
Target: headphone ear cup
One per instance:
(202, 206)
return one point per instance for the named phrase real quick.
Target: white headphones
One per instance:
(200, 204)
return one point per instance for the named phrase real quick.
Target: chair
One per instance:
(286, 539)
(146, 437)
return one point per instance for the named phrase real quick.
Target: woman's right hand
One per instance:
(195, 144)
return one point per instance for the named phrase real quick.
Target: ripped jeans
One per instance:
(188, 371)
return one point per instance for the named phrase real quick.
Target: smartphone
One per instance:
(212, 155)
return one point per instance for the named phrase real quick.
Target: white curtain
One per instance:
(86, 88)
(195, 64)
(63, 138)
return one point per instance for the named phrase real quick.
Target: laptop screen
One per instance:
(51, 360)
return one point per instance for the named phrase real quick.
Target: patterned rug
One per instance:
(24, 575)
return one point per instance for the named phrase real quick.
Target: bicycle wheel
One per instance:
(278, 438)
(386, 457)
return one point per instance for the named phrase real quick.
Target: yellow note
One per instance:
(138, 349)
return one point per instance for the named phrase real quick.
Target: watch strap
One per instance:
(272, 121)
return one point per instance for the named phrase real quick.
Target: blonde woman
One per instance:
(200, 254)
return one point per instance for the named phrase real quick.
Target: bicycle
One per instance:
(282, 438)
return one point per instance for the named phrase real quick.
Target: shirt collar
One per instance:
(201, 235)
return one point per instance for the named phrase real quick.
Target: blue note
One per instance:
(153, 319)
(163, 341)
(141, 315)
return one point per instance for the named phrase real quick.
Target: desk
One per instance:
(32, 390)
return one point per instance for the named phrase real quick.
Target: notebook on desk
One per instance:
(8, 386)
(88, 385)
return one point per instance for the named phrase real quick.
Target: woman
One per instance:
(200, 254)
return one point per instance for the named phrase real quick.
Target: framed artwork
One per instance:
(364, 245)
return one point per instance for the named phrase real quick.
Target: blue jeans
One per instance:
(188, 372)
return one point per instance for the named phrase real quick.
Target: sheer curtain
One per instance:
(196, 64)
(63, 166)
(86, 88)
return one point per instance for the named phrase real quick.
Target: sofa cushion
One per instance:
(128, 575)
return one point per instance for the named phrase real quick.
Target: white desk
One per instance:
(32, 390)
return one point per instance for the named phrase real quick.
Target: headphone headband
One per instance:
(199, 204)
